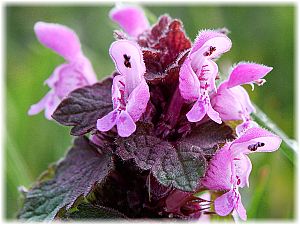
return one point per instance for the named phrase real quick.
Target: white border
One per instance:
(4, 3)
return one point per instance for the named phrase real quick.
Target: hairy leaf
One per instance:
(209, 136)
(84, 106)
(88, 211)
(180, 165)
(76, 175)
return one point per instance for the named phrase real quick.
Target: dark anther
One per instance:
(210, 51)
(260, 144)
(126, 61)
(255, 146)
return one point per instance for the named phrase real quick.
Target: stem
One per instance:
(174, 108)
(170, 119)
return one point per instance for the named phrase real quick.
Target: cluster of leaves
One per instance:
(130, 177)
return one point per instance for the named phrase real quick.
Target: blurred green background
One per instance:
(263, 34)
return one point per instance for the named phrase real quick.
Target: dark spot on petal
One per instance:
(127, 61)
(254, 147)
(260, 144)
(210, 51)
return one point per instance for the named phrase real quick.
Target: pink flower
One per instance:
(75, 73)
(130, 18)
(198, 73)
(230, 168)
(232, 101)
(130, 92)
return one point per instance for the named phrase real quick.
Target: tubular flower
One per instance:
(230, 168)
(130, 92)
(232, 101)
(198, 73)
(77, 72)
(131, 19)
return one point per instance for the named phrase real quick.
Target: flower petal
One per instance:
(125, 124)
(81, 70)
(214, 115)
(85, 67)
(243, 127)
(118, 89)
(206, 73)
(243, 167)
(69, 78)
(108, 121)
(246, 73)
(138, 100)
(128, 59)
(54, 77)
(233, 103)
(197, 112)
(219, 173)
(212, 74)
(48, 103)
(225, 203)
(210, 38)
(41, 105)
(130, 18)
(51, 105)
(59, 38)
(189, 84)
(255, 140)
(241, 209)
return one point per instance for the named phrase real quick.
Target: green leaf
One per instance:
(288, 146)
(76, 175)
(88, 211)
(182, 167)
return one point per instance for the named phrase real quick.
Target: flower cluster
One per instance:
(163, 95)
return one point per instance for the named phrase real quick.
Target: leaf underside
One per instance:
(76, 175)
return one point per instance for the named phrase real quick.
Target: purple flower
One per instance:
(232, 101)
(130, 18)
(130, 92)
(77, 72)
(230, 168)
(198, 73)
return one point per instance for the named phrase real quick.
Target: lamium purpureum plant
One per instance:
(157, 138)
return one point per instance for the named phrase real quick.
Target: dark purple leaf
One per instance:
(88, 211)
(163, 47)
(76, 175)
(181, 165)
(84, 106)
(209, 136)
